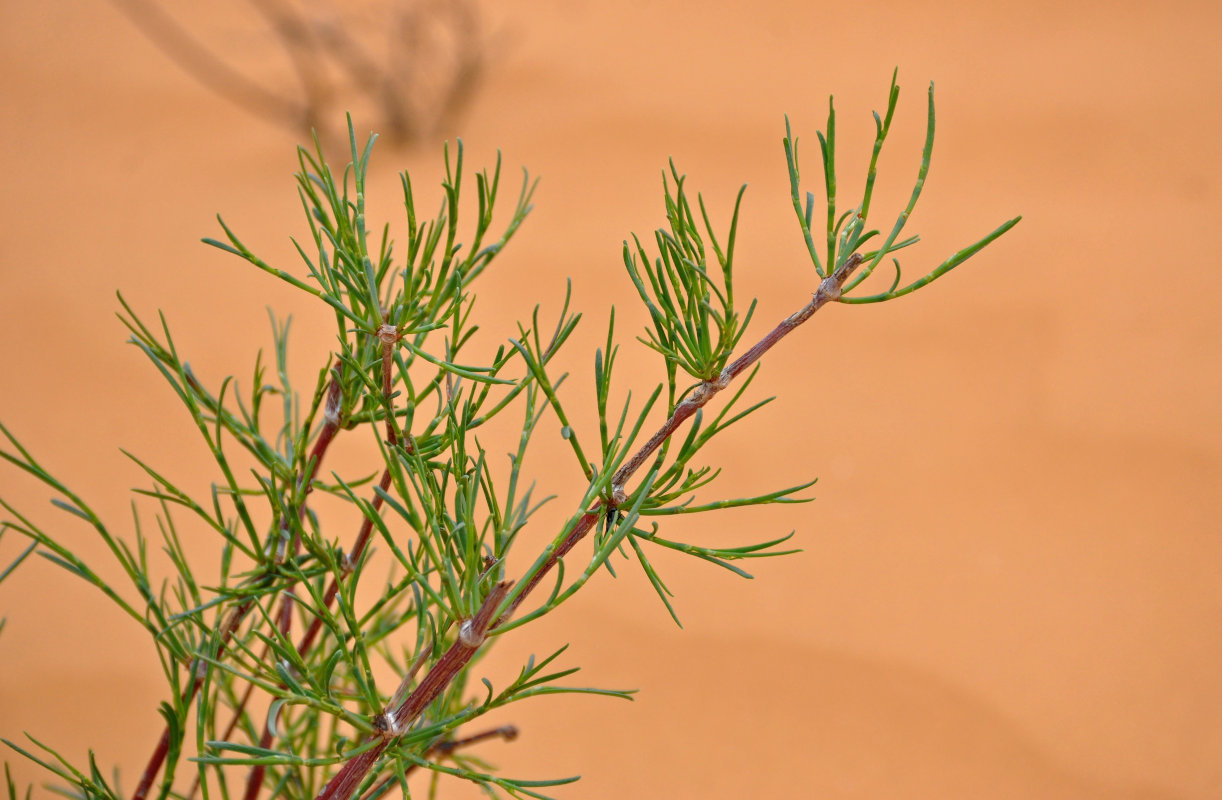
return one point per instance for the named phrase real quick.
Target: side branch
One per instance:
(345, 783)
(388, 337)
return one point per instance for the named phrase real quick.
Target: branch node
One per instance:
(701, 394)
(388, 334)
(387, 725)
(469, 635)
(330, 412)
(618, 495)
(829, 289)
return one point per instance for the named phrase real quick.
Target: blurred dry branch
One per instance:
(405, 67)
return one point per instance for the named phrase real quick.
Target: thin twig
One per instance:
(388, 336)
(366, 531)
(331, 426)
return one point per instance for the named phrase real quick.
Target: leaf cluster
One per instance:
(847, 231)
(695, 324)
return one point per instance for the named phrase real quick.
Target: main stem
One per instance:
(444, 747)
(396, 721)
(345, 783)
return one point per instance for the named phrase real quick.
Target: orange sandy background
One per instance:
(1011, 584)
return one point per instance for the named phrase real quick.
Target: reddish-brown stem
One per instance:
(284, 622)
(395, 721)
(255, 779)
(506, 732)
(444, 748)
(354, 555)
(350, 776)
(231, 623)
(158, 757)
(388, 336)
(348, 779)
(237, 710)
(362, 538)
(583, 526)
(331, 419)
(471, 636)
(828, 291)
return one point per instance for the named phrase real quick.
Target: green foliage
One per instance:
(847, 233)
(688, 328)
(282, 617)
